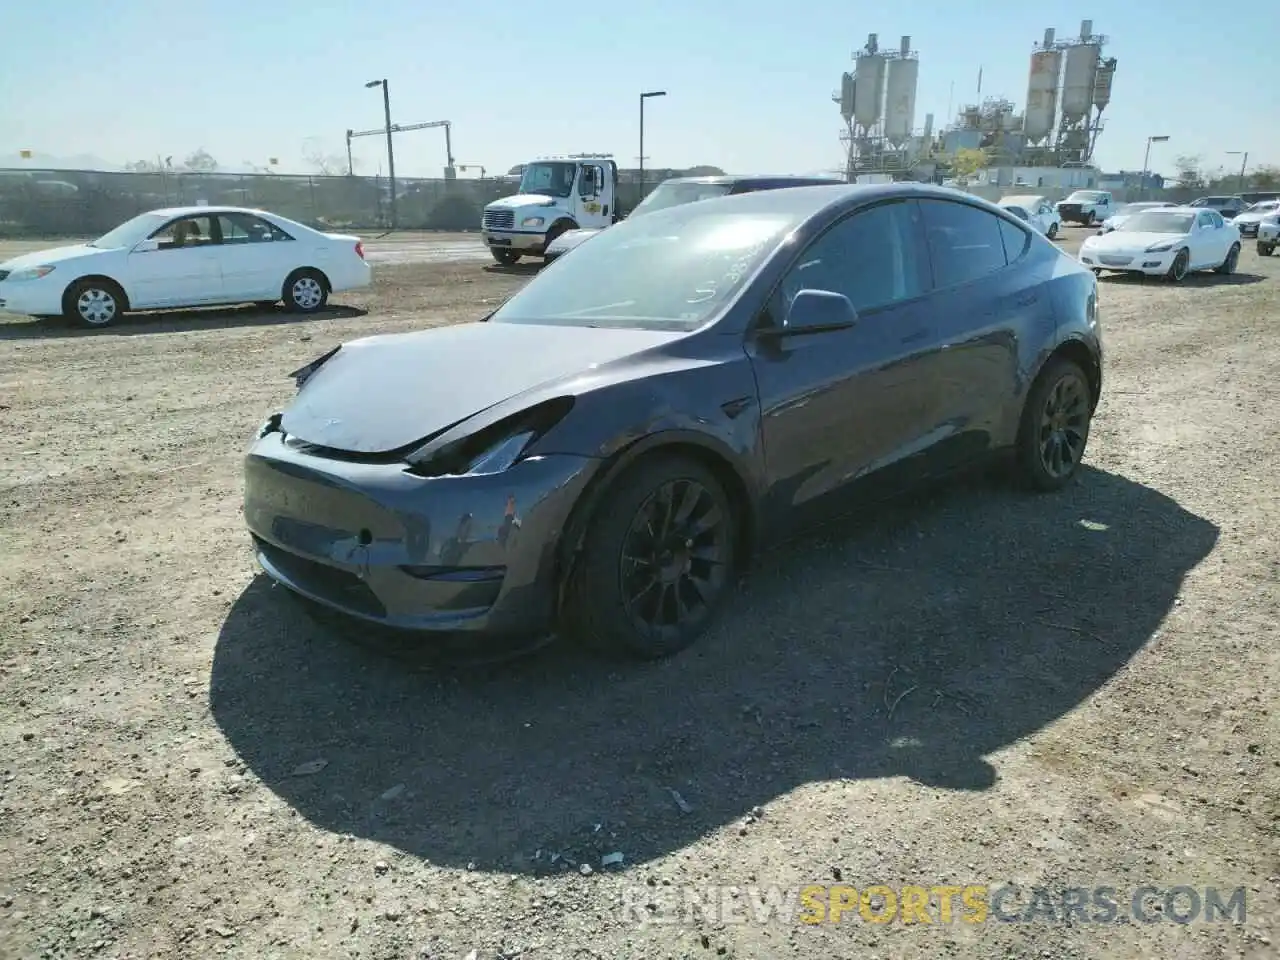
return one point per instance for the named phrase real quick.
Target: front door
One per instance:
(595, 196)
(842, 408)
(180, 269)
(1207, 242)
(254, 257)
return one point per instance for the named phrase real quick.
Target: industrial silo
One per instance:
(868, 93)
(900, 96)
(1042, 91)
(1102, 83)
(846, 96)
(1079, 76)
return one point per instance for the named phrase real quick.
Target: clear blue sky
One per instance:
(749, 81)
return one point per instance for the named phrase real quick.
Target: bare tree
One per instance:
(325, 164)
(200, 162)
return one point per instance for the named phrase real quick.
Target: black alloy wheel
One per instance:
(1178, 269)
(1228, 266)
(657, 562)
(1055, 426)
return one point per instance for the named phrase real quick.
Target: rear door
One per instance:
(843, 408)
(255, 257)
(989, 306)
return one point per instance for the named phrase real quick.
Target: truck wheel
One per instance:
(554, 233)
(508, 258)
(1092, 219)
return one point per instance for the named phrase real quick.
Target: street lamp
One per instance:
(643, 98)
(1243, 163)
(1146, 160)
(391, 153)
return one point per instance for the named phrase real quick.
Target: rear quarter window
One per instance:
(1016, 240)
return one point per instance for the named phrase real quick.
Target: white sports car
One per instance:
(1169, 242)
(185, 257)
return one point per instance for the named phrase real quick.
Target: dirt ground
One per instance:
(977, 687)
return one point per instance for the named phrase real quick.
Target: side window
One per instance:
(185, 232)
(1016, 240)
(243, 228)
(592, 178)
(964, 242)
(1204, 219)
(1217, 220)
(872, 257)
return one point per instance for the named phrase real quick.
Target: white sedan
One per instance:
(1169, 242)
(185, 257)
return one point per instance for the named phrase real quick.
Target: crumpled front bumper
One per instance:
(447, 554)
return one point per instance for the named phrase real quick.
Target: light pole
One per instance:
(643, 98)
(1146, 161)
(1243, 163)
(391, 153)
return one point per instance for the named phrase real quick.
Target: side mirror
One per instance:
(146, 246)
(817, 311)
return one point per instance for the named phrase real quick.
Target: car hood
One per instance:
(1251, 217)
(521, 200)
(54, 255)
(570, 239)
(1120, 240)
(380, 394)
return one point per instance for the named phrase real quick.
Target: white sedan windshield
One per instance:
(131, 231)
(1158, 221)
(671, 270)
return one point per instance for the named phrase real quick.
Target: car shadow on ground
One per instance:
(1190, 280)
(525, 268)
(913, 644)
(171, 321)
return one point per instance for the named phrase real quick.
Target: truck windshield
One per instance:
(553, 179)
(671, 194)
(1085, 196)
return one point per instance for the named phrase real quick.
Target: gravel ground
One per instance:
(976, 687)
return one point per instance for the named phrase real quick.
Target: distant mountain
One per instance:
(45, 161)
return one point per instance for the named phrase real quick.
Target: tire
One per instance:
(597, 610)
(1265, 249)
(1178, 269)
(506, 258)
(94, 303)
(1053, 231)
(1097, 271)
(554, 233)
(305, 291)
(1091, 220)
(1055, 420)
(1228, 266)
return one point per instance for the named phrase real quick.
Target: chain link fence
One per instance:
(85, 203)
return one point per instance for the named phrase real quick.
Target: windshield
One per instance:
(1158, 221)
(131, 231)
(671, 194)
(554, 179)
(668, 271)
(1213, 202)
(1085, 196)
(1264, 206)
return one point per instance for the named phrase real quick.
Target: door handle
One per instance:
(1028, 299)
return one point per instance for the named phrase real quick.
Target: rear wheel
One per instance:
(1091, 219)
(507, 258)
(1055, 426)
(306, 291)
(1229, 264)
(657, 561)
(1265, 249)
(93, 303)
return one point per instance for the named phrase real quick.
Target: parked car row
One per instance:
(185, 257)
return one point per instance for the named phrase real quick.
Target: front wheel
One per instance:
(1228, 265)
(1055, 426)
(1091, 220)
(1053, 231)
(1178, 269)
(506, 258)
(306, 291)
(93, 303)
(657, 561)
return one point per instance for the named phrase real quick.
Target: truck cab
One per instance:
(555, 194)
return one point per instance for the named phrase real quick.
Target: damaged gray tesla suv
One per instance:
(601, 454)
